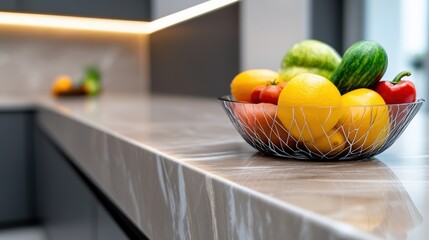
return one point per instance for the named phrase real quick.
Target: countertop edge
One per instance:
(52, 120)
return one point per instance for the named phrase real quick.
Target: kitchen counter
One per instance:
(179, 170)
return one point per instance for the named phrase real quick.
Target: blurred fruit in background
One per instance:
(89, 84)
(92, 81)
(62, 84)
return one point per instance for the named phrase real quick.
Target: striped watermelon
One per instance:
(309, 56)
(362, 66)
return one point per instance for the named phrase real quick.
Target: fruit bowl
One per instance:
(320, 133)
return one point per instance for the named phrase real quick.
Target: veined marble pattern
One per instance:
(179, 170)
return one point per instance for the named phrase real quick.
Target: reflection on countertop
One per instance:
(386, 196)
(365, 194)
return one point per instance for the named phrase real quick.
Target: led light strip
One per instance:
(187, 14)
(78, 23)
(110, 25)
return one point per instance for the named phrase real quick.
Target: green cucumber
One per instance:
(363, 65)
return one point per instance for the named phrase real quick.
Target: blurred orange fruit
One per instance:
(62, 84)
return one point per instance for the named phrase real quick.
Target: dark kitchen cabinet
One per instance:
(16, 175)
(124, 9)
(106, 227)
(40, 185)
(66, 206)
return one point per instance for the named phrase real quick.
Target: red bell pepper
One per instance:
(397, 91)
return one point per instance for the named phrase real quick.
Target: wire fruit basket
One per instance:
(320, 133)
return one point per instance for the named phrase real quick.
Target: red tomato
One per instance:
(259, 121)
(254, 97)
(270, 94)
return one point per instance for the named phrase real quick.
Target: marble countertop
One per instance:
(179, 170)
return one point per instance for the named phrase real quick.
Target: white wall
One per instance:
(400, 26)
(383, 24)
(269, 28)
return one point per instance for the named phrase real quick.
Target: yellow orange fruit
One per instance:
(245, 82)
(62, 84)
(308, 106)
(366, 121)
(329, 144)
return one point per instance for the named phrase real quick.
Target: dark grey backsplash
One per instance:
(198, 57)
(124, 9)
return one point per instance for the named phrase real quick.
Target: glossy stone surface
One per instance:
(178, 169)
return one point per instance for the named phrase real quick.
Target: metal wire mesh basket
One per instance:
(320, 133)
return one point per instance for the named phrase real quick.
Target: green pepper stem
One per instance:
(398, 77)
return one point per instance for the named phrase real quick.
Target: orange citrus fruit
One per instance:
(366, 122)
(62, 84)
(245, 82)
(308, 106)
(330, 144)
